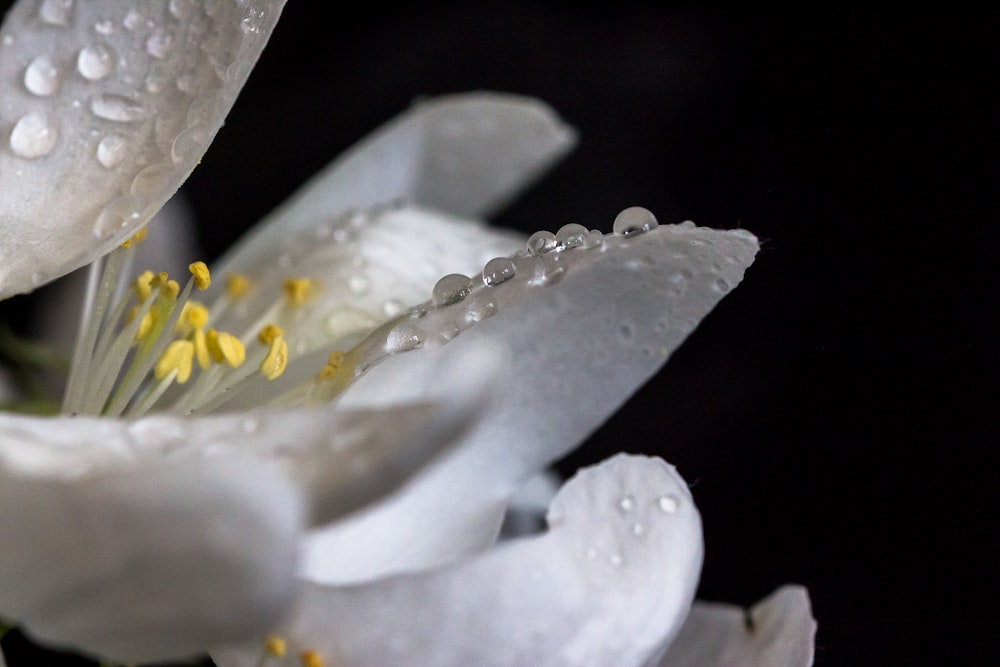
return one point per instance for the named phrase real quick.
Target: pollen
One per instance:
(145, 325)
(138, 237)
(143, 285)
(225, 347)
(178, 356)
(276, 361)
(201, 353)
(310, 659)
(275, 646)
(297, 290)
(170, 289)
(269, 333)
(202, 277)
(193, 316)
(237, 285)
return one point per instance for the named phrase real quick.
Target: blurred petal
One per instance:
(464, 154)
(116, 103)
(778, 631)
(611, 580)
(525, 514)
(132, 566)
(579, 331)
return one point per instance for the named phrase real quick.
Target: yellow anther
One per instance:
(158, 279)
(145, 325)
(138, 237)
(337, 365)
(237, 285)
(202, 278)
(170, 289)
(310, 659)
(269, 333)
(276, 361)
(225, 347)
(142, 285)
(193, 316)
(275, 646)
(201, 353)
(336, 358)
(297, 290)
(178, 356)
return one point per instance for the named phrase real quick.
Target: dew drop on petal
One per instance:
(111, 150)
(634, 220)
(541, 242)
(616, 559)
(158, 44)
(358, 285)
(133, 19)
(638, 529)
(668, 504)
(116, 108)
(570, 236)
(480, 309)
(41, 77)
(392, 307)
(626, 503)
(35, 135)
(498, 270)
(56, 12)
(451, 289)
(180, 9)
(250, 425)
(720, 286)
(405, 337)
(104, 27)
(95, 61)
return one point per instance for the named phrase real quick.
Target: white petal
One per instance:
(594, 590)
(778, 631)
(107, 106)
(155, 563)
(464, 154)
(526, 511)
(580, 331)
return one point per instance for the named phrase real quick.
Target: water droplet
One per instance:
(250, 425)
(638, 529)
(570, 236)
(154, 83)
(115, 217)
(41, 77)
(626, 503)
(56, 12)
(104, 27)
(451, 289)
(8, 40)
(158, 44)
(550, 274)
(35, 135)
(593, 238)
(133, 19)
(117, 108)
(668, 504)
(185, 83)
(252, 21)
(111, 150)
(720, 285)
(358, 285)
(392, 308)
(405, 337)
(181, 9)
(616, 559)
(479, 310)
(498, 270)
(95, 61)
(541, 242)
(634, 220)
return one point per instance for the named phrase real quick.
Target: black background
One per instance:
(836, 413)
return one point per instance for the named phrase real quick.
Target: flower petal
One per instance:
(116, 103)
(777, 631)
(465, 154)
(611, 581)
(580, 330)
(150, 563)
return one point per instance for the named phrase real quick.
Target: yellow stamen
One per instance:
(142, 286)
(310, 659)
(276, 361)
(158, 279)
(178, 356)
(275, 646)
(297, 290)
(201, 353)
(337, 365)
(193, 316)
(202, 278)
(145, 325)
(170, 289)
(138, 237)
(269, 333)
(237, 285)
(225, 347)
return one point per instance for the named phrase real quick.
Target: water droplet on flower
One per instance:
(8, 40)
(158, 44)
(616, 559)
(668, 504)
(498, 270)
(551, 274)
(95, 61)
(541, 242)
(626, 503)
(115, 217)
(405, 337)
(154, 83)
(181, 9)
(392, 308)
(570, 236)
(479, 310)
(358, 285)
(41, 77)
(721, 285)
(111, 150)
(638, 529)
(634, 220)
(252, 21)
(133, 19)
(35, 135)
(104, 27)
(185, 83)
(117, 108)
(56, 12)
(593, 238)
(250, 425)
(451, 289)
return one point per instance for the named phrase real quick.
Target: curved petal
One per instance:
(132, 566)
(115, 104)
(611, 580)
(580, 331)
(525, 513)
(465, 154)
(778, 631)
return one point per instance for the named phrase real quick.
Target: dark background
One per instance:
(835, 414)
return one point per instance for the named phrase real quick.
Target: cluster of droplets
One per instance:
(638, 516)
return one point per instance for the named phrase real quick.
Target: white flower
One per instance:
(340, 477)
